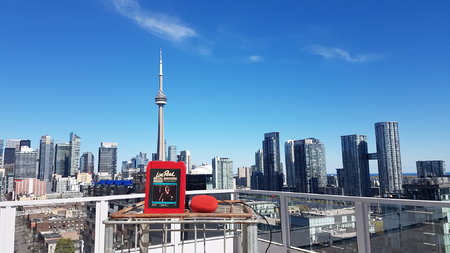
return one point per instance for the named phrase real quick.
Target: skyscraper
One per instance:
(9, 155)
(222, 170)
(62, 159)
(26, 162)
(434, 168)
(1, 154)
(389, 160)
(87, 162)
(273, 174)
(107, 158)
(340, 177)
(185, 156)
(244, 176)
(75, 142)
(46, 158)
(161, 100)
(259, 160)
(13, 143)
(355, 165)
(24, 143)
(289, 160)
(9, 159)
(310, 164)
(172, 153)
(140, 161)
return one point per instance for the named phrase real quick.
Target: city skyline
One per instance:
(382, 69)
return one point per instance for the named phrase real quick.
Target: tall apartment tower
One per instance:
(355, 165)
(75, 142)
(433, 168)
(1, 154)
(222, 171)
(289, 160)
(340, 177)
(389, 160)
(26, 163)
(46, 158)
(273, 173)
(107, 158)
(87, 162)
(259, 160)
(172, 156)
(62, 159)
(310, 165)
(185, 156)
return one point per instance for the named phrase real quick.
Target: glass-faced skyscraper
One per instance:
(355, 165)
(107, 158)
(172, 154)
(24, 143)
(389, 160)
(310, 165)
(222, 172)
(433, 168)
(1, 154)
(62, 159)
(75, 142)
(185, 156)
(87, 162)
(26, 162)
(259, 160)
(273, 174)
(289, 161)
(140, 161)
(46, 158)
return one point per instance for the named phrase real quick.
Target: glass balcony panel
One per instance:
(269, 207)
(322, 225)
(401, 228)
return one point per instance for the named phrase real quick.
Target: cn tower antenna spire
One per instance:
(160, 71)
(161, 100)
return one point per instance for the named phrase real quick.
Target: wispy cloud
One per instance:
(338, 53)
(255, 58)
(158, 24)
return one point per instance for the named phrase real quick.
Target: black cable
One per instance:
(268, 225)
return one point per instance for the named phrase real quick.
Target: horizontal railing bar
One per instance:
(98, 198)
(368, 200)
(191, 229)
(71, 200)
(113, 222)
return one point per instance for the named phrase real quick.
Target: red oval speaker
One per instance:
(204, 204)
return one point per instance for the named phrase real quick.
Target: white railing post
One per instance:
(362, 226)
(175, 237)
(7, 228)
(285, 222)
(101, 214)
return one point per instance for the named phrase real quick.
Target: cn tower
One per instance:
(160, 101)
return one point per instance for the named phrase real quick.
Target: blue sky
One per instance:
(233, 70)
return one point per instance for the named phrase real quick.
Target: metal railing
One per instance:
(362, 209)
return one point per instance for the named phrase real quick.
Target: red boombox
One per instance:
(165, 188)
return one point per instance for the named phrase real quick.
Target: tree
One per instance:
(65, 246)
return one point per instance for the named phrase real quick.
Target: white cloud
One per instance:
(338, 53)
(255, 58)
(158, 24)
